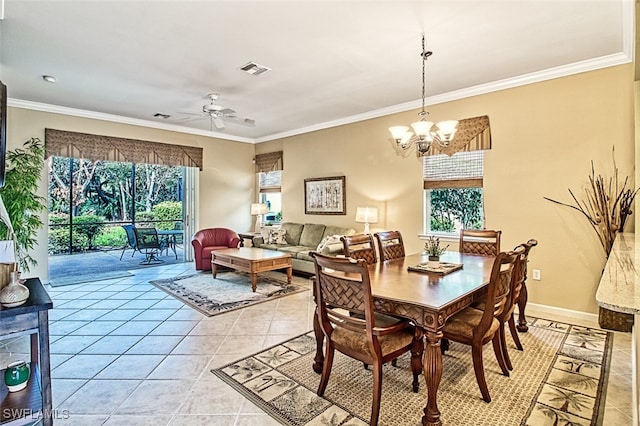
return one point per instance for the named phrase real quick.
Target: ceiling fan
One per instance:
(219, 114)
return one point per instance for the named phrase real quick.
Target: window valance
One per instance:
(269, 162)
(473, 134)
(107, 148)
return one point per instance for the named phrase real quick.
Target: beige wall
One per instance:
(544, 138)
(225, 184)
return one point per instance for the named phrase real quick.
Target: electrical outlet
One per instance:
(536, 274)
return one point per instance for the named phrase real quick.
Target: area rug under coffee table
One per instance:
(559, 379)
(229, 290)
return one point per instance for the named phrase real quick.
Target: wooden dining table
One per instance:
(428, 299)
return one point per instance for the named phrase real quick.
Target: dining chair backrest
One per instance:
(483, 242)
(359, 246)
(390, 245)
(498, 289)
(342, 288)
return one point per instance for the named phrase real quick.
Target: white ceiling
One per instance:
(332, 62)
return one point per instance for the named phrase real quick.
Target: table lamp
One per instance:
(258, 209)
(367, 215)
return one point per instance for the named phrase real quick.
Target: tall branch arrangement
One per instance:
(606, 204)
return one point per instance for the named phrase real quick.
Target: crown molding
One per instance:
(509, 83)
(55, 109)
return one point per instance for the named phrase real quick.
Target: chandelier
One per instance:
(426, 132)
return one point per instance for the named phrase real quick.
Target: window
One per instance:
(269, 187)
(453, 192)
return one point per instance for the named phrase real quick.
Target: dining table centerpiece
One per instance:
(434, 250)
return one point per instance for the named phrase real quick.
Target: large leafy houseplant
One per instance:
(20, 201)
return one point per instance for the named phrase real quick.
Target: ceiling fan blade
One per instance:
(226, 111)
(239, 120)
(217, 121)
(189, 120)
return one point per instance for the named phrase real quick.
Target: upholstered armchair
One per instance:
(207, 240)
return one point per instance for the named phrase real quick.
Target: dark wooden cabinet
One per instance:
(31, 318)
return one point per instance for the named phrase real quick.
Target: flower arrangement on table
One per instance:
(433, 249)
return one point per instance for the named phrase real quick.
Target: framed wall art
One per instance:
(325, 195)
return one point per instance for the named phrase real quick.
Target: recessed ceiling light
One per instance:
(49, 78)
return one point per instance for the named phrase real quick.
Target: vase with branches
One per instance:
(605, 203)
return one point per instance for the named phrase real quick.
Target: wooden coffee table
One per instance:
(251, 260)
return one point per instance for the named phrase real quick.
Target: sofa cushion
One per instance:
(293, 232)
(311, 234)
(294, 249)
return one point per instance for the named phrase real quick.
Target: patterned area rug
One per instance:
(229, 290)
(559, 379)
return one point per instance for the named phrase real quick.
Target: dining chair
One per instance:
(475, 328)
(517, 284)
(522, 300)
(359, 246)
(483, 242)
(342, 285)
(131, 239)
(518, 277)
(390, 245)
(149, 244)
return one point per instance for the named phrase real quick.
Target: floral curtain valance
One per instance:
(269, 162)
(97, 147)
(474, 134)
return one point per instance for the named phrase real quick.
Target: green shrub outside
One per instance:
(59, 241)
(58, 218)
(89, 225)
(144, 219)
(169, 212)
(111, 237)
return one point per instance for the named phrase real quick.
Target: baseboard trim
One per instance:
(554, 310)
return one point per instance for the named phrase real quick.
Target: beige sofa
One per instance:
(301, 238)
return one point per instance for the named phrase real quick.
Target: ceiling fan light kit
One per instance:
(424, 132)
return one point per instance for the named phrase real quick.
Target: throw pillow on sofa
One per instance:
(326, 241)
(277, 236)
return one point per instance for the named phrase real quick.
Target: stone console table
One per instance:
(619, 291)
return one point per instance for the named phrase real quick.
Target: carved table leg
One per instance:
(432, 366)
(318, 360)
(522, 304)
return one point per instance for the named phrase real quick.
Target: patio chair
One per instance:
(149, 244)
(131, 240)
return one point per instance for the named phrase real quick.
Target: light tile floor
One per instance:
(126, 353)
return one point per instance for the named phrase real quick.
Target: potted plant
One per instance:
(432, 248)
(19, 203)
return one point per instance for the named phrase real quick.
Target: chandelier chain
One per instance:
(424, 60)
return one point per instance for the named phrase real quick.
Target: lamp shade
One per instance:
(259, 208)
(367, 215)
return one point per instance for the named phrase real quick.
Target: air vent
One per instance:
(254, 69)
(160, 115)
